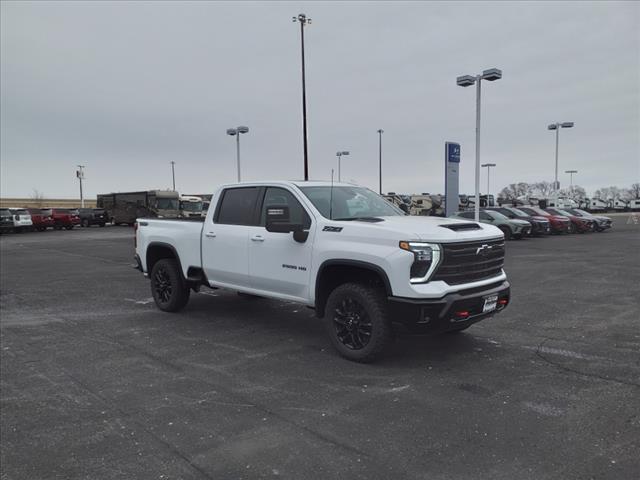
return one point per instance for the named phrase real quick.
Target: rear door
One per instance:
(225, 257)
(277, 263)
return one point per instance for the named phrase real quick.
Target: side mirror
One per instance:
(279, 221)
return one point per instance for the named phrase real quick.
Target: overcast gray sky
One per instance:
(125, 88)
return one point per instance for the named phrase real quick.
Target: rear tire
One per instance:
(357, 322)
(69, 227)
(168, 286)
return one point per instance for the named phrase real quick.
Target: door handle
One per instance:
(257, 238)
(210, 234)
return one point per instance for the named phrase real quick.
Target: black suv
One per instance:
(6, 220)
(93, 216)
(539, 226)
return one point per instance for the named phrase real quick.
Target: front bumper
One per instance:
(421, 315)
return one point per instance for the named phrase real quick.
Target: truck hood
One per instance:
(428, 229)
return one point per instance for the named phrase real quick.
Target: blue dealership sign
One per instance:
(453, 152)
(451, 177)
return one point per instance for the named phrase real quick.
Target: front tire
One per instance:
(85, 223)
(168, 287)
(357, 322)
(507, 232)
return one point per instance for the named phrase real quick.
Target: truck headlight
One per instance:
(426, 259)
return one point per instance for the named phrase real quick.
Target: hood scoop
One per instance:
(457, 227)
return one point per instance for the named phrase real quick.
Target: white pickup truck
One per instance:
(359, 261)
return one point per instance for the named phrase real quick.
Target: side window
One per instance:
(485, 216)
(466, 214)
(237, 206)
(280, 196)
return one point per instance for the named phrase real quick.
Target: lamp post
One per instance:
(490, 75)
(339, 155)
(236, 132)
(80, 175)
(304, 20)
(173, 174)
(488, 165)
(571, 172)
(557, 126)
(380, 132)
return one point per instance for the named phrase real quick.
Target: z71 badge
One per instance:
(332, 229)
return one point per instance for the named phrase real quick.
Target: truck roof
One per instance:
(297, 183)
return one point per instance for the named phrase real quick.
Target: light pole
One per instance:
(236, 132)
(571, 172)
(557, 126)
(304, 20)
(339, 155)
(466, 81)
(488, 165)
(173, 174)
(380, 132)
(80, 175)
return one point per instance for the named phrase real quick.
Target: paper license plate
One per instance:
(490, 303)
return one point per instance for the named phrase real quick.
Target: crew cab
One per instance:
(41, 219)
(64, 218)
(92, 216)
(343, 250)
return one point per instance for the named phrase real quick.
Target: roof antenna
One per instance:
(331, 198)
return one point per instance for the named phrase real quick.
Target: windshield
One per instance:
(190, 206)
(20, 212)
(563, 212)
(74, 211)
(518, 212)
(580, 212)
(536, 211)
(167, 204)
(498, 215)
(349, 203)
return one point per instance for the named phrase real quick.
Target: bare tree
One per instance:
(37, 197)
(635, 190)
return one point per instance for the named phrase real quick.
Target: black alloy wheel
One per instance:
(168, 287)
(352, 324)
(357, 321)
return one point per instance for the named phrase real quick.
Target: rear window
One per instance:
(46, 211)
(21, 211)
(5, 212)
(237, 206)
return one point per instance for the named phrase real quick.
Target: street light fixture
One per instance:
(488, 165)
(557, 126)
(304, 20)
(571, 172)
(339, 155)
(80, 175)
(490, 75)
(173, 174)
(380, 132)
(236, 132)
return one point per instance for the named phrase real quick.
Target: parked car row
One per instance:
(40, 219)
(529, 221)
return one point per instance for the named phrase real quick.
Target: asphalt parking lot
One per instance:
(96, 383)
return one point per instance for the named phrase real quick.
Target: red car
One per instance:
(41, 218)
(580, 224)
(64, 218)
(559, 223)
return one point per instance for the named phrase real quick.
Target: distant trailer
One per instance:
(127, 206)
